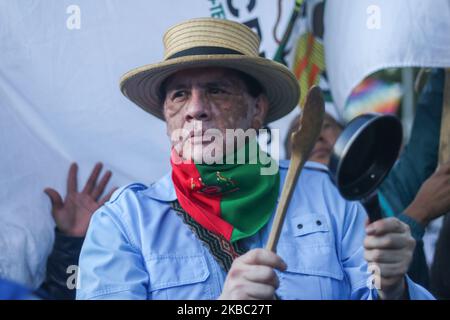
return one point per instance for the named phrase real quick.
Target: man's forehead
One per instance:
(202, 75)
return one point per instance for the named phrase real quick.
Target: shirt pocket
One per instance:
(178, 277)
(309, 230)
(314, 270)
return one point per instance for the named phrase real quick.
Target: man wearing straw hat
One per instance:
(197, 232)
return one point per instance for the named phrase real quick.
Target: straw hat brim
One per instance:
(142, 85)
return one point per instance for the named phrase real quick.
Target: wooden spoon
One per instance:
(302, 143)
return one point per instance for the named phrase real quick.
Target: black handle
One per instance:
(372, 206)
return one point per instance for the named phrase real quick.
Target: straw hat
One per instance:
(208, 42)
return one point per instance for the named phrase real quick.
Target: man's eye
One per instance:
(216, 91)
(178, 94)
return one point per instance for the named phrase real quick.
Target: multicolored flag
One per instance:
(304, 32)
(373, 95)
(309, 58)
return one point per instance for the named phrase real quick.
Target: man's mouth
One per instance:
(198, 137)
(321, 151)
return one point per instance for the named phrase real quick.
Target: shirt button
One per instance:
(319, 223)
(299, 226)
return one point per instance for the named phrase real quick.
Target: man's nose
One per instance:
(198, 107)
(321, 136)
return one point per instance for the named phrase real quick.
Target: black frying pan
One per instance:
(362, 157)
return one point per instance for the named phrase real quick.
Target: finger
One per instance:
(72, 185)
(387, 283)
(259, 291)
(389, 241)
(384, 255)
(262, 274)
(98, 190)
(263, 257)
(107, 197)
(390, 270)
(90, 184)
(385, 226)
(55, 199)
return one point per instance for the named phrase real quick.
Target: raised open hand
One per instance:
(72, 215)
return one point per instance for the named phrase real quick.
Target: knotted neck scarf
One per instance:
(233, 200)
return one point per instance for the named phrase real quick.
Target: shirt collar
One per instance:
(162, 189)
(309, 164)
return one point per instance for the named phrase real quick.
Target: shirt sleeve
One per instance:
(356, 267)
(417, 292)
(414, 292)
(58, 283)
(111, 266)
(352, 252)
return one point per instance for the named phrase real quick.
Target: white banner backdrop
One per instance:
(60, 63)
(364, 36)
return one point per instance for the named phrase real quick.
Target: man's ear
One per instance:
(260, 111)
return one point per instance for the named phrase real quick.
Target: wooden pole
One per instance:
(444, 143)
(439, 273)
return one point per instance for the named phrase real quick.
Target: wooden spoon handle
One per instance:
(285, 199)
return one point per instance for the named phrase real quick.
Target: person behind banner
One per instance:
(72, 215)
(198, 233)
(332, 126)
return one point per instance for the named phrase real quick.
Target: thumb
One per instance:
(108, 196)
(443, 168)
(55, 198)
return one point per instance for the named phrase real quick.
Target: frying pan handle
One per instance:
(372, 206)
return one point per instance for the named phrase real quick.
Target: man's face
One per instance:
(197, 100)
(324, 145)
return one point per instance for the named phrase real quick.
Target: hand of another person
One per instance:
(72, 215)
(433, 198)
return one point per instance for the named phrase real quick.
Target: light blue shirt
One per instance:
(137, 247)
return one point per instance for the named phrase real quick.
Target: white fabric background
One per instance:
(60, 102)
(413, 33)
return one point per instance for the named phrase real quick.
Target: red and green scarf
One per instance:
(233, 200)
